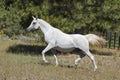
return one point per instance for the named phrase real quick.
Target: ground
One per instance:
(23, 61)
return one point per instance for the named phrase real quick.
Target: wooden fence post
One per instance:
(119, 40)
(106, 37)
(114, 39)
(110, 38)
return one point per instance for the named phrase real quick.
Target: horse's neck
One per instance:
(44, 26)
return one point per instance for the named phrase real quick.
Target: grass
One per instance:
(22, 61)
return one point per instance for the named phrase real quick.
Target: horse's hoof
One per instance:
(95, 69)
(46, 62)
(76, 66)
(56, 65)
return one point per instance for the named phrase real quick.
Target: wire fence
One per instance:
(113, 39)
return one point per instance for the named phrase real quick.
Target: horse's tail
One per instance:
(95, 40)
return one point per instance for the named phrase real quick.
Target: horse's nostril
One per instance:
(28, 30)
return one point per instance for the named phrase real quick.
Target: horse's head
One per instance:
(34, 24)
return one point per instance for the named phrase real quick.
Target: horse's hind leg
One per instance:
(88, 53)
(81, 55)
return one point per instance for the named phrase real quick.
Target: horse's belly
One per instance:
(64, 49)
(65, 43)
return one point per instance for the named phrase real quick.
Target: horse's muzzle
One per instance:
(28, 30)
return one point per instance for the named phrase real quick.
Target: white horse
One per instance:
(61, 41)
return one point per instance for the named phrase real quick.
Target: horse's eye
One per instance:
(34, 22)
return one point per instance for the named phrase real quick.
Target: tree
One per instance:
(67, 15)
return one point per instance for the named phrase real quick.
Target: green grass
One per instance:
(17, 63)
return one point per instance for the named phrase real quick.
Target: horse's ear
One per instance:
(33, 17)
(36, 17)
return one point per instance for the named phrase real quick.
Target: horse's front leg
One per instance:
(49, 46)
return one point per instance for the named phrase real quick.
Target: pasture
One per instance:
(23, 61)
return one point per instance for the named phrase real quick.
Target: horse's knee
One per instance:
(43, 52)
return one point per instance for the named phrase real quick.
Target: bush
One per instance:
(67, 15)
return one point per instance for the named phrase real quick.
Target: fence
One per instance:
(113, 39)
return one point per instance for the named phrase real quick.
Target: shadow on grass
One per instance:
(27, 49)
(37, 49)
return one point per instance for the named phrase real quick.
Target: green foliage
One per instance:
(67, 15)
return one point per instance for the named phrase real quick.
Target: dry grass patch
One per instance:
(105, 51)
(19, 66)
